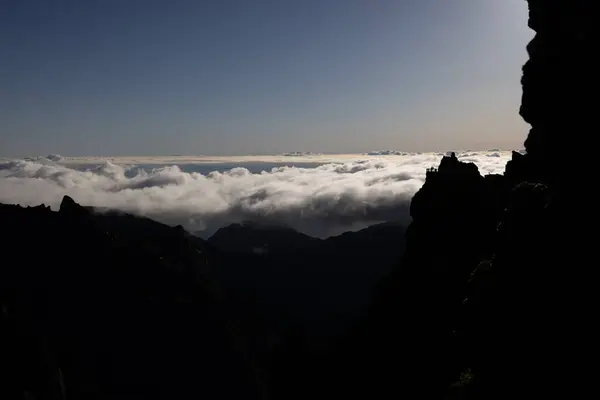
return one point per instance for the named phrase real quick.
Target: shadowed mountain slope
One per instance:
(100, 306)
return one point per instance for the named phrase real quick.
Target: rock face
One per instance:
(490, 294)
(531, 299)
(408, 340)
(558, 80)
(104, 306)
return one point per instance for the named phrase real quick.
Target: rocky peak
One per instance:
(70, 208)
(453, 184)
(68, 203)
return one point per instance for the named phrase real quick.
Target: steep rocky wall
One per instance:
(521, 228)
(527, 326)
(558, 81)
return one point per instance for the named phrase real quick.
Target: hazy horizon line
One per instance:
(280, 154)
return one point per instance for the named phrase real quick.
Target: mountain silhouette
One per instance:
(104, 292)
(109, 305)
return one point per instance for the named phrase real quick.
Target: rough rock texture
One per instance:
(106, 306)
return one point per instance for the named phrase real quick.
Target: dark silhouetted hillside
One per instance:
(98, 303)
(98, 306)
(312, 288)
(252, 237)
(326, 281)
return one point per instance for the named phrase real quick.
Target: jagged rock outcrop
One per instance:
(407, 343)
(527, 327)
(485, 295)
(108, 305)
(559, 81)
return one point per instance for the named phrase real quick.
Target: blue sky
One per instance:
(232, 77)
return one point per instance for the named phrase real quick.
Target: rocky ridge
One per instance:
(106, 305)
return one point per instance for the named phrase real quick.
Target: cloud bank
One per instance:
(321, 201)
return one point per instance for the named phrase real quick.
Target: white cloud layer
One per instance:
(351, 193)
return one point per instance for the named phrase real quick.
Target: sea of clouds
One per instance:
(337, 194)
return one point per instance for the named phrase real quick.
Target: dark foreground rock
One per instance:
(406, 346)
(103, 304)
(528, 329)
(495, 297)
(106, 306)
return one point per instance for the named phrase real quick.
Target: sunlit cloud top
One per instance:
(333, 195)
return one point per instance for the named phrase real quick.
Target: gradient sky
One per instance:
(150, 77)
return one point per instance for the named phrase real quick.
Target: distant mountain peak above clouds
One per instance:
(301, 154)
(388, 153)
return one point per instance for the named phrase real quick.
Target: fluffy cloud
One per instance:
(320, 201)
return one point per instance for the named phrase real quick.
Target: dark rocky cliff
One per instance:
(408, 343)
(528, 327)
(559, 80)
(491, 294)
